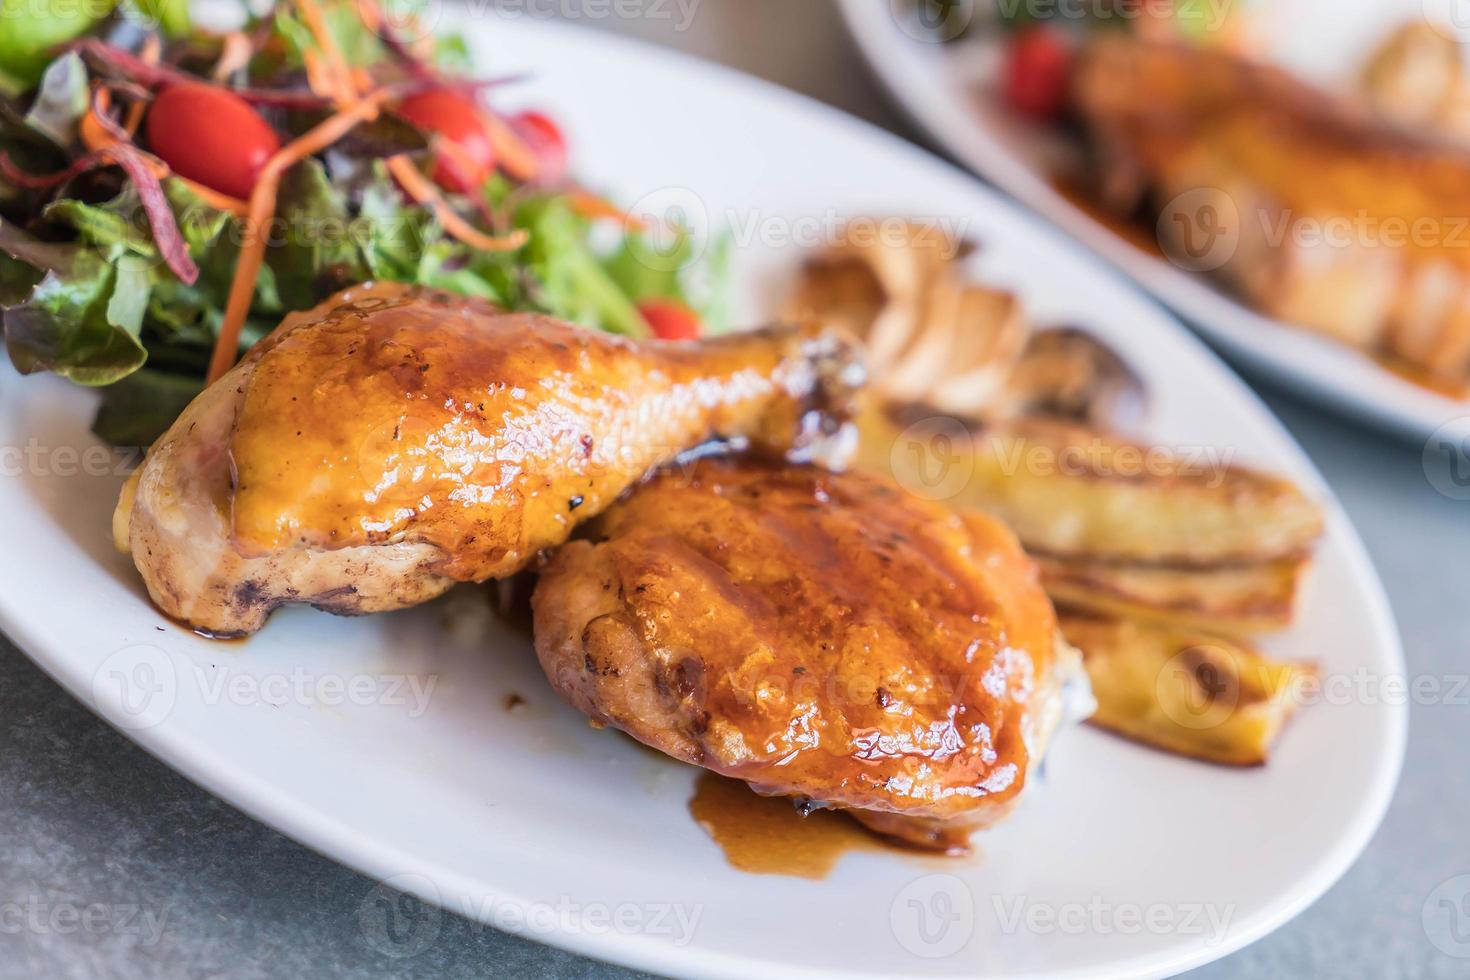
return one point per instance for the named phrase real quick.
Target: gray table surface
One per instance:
(181, 884)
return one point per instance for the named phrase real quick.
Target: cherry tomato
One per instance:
(211, 136)
(457, 119)
(1038, 72)
(545, 139)
(670, 319)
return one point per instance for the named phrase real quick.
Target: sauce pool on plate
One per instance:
(767, 835)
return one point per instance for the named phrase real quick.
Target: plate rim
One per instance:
(1406, 410)
(335, 838)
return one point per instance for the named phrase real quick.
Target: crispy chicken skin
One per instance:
(1346, 225)
(393, 441)
(822, 636)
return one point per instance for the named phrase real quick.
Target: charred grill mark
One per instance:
(251, 593)
(341, 601)
(689, 678)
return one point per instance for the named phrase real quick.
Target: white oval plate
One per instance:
(532, 821)
(948, 91)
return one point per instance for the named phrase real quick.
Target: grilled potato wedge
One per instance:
(1237, 600)
(1184, 691)
(1071, 492)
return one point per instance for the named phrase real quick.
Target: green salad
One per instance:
(168, 193)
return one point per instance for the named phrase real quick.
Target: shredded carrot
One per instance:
(510, 150)
(422, 47)
(371, 15)
(263, 208)
(424, 192)
(596, 207)
(135, 116)
(95, 135)
(216, 200)
(317, 78)
(97, 139)
(108, 142)
(94, 131)
(330, 76)
(339, 73)
(150, 54)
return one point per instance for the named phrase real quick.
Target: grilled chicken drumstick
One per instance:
(822, 636)
(393, 441)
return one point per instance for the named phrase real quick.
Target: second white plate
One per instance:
(946, 90)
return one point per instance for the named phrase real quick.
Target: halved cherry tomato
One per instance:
(211, 136)
(670, 320)
(457, 119)
(545, 139)
(1038, 73)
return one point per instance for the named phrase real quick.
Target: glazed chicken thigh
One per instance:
(373, 451)
(819, 635)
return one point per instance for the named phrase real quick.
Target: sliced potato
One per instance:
(1238, 600)
(1184, 691)
(1071, 492)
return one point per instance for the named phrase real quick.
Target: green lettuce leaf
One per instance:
(17, 280)
(70, 326)
(317, 252)
(172, 16)
(443, 265)
(392, 232)
(358, 44)
(31, 29)
(115, 228)
(136, 410)
(648, 269)
(569, 280)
